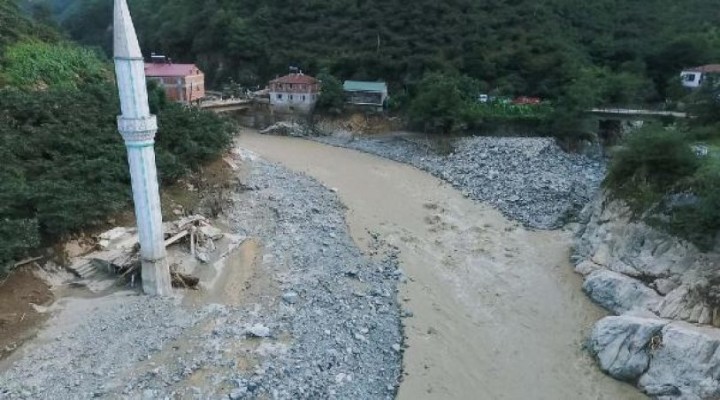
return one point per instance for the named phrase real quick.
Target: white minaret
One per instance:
(138, 128)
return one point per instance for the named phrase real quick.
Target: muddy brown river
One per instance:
(498, 312)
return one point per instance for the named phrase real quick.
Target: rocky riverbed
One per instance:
(530, 180)
(303, 314)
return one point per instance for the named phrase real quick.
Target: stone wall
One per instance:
(660, 289)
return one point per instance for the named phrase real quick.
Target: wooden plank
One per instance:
(176, 238)
(28, 261)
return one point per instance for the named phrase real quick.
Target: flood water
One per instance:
(498, 312)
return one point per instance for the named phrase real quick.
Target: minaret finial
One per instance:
(126, 42)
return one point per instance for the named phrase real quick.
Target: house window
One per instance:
(279, 96)
(690, 78)
(291, 97)
(303, 98)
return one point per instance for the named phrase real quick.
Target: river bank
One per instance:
(496, 310)
(298, 312)
(530, 180)
(663, 293)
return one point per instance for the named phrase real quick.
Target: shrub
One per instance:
(657, 173)
(36, 65)
(651, 163)
(332, 95)
(64, 163)
(699, 221)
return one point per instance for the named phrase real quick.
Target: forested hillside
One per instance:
(512, 47)
(63, 162)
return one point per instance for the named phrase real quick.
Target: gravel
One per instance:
(324, 324)
(531, 180)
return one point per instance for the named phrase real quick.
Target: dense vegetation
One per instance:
(574, 54)
(64, 165)
(528, 47)
(670, 176)
(439, 55)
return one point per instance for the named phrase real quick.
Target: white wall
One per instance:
(691, 79)
(300, 101)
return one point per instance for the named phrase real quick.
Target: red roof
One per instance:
(710, 68)
(295, 78)
(165, 69)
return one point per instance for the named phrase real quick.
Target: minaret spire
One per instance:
(138, 127)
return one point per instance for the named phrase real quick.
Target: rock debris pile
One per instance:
(530, 180)
(338, 308)
(89, 357)
(316, 320)
(285, 128)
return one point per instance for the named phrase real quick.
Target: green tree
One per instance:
(332, 95)
(650, 164)
(440, 103)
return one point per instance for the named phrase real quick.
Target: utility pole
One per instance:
(138, 127)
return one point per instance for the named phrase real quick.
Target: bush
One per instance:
(654, 159)
(441, 103)
(64, 163)
(37, 65)
(332, 95)
(700, 221)
(657, 173)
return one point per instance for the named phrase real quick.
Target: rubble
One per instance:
(285, 128)
(303, 350)
(118, 252)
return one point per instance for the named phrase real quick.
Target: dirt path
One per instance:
(498, 312)
(19, 320)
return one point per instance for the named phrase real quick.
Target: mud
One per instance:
(20, 295)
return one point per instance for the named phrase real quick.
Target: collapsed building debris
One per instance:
(118, 251)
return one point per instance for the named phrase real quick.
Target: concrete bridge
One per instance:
(629, 114)
(227, 105)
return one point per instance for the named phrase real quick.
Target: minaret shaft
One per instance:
(138, 127)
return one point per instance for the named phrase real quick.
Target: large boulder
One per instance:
(686, 304)
(622, 345)
(686, 365)
(619, 293)
(616, 241)
(669, 360)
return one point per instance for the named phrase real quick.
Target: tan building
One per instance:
(184, 83)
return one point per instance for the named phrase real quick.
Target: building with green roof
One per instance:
(366, 94)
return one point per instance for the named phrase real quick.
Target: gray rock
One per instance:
(665, 286)
(687, 362)
(683, 364)
(684, 304)
(259, 331)
(211, 232)
(530, 180)
(587, 267)
(238, 393)
(290, 297)
(619, 293)
(203, 257)
(622, 345)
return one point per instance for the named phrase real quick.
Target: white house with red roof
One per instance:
(295, 92)
(184, 83)
(694, 77)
